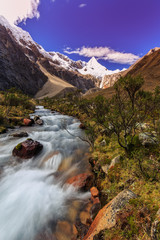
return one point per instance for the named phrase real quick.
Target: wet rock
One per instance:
(19, 134)
(27, 149)
(94, 192)
(95, 207)
(84, 216)
(27, 122)
(36, 118)
(82, 229)
(106, 218)
(66, 231)
(39, 122)
(83, 181)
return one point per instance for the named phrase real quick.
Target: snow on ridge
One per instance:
(92, 67)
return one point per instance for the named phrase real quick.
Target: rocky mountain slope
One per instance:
(16, 70)
(26, 65)
(148, 67)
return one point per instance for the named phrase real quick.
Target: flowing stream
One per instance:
(33, 193)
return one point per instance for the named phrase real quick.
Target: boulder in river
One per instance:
(27, 122)
(27, 149)
(39, 122)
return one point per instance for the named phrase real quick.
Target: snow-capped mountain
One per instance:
(26, 65)
(93, 67)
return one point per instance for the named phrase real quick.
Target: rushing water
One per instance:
(33, 193)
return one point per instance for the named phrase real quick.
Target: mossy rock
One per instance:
(19, 146)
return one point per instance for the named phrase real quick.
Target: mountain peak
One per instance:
(93, 61)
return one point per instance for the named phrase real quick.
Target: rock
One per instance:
(39, 122)
(106, 218)
(94, 192)
(82, 229)
(27, 122)
(36, 118)
(82, 126)
(114, 161)
(105, 168)
(66, 231)
(103, 143)
(27, 149)
(82, 181)
(95, 207)
(19, 134)
(148, 139)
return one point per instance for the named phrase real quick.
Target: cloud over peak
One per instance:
(105, 53)
(16, 11)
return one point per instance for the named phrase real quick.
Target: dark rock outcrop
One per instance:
(27, 149)
(16, 70)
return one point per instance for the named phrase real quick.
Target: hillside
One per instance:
(148, 67)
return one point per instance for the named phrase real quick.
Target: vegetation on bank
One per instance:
(14, 106)
(128, 125)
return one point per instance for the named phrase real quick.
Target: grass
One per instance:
(14, 107)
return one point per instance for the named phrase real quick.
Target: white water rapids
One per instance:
(33, 193)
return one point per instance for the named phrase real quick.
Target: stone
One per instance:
(114, 161)
(95, 207)
(82, 181)
(105, 168)
(19, 134)
(36, 118)
(66, 231)
(94, 192)
(39, 122)
(103, 143)
(27, 122)
(148, 139)
(27, 149)
(106, 218)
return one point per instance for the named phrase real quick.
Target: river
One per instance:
(34, 195)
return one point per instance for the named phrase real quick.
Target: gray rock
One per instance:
(36, 118)
(103, 143)
(147, 138)
(39, 122)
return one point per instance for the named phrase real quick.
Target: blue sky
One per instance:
(104, 28)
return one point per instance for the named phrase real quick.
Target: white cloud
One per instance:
(82, 5)
(16, 11)
(105, 53)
